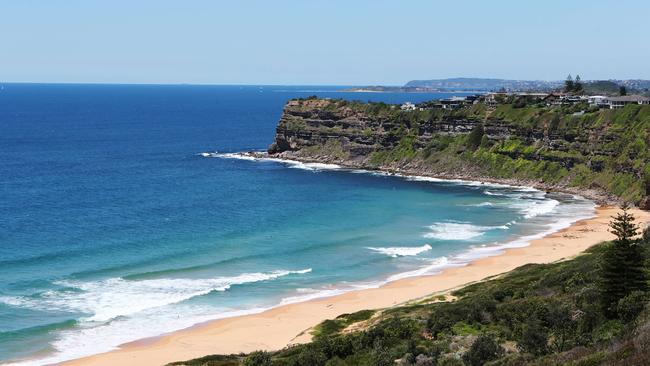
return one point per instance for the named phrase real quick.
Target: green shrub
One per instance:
(533, 339)
(258, 358)
(474, 137)
(485, 348)
(309, 356)
(629, 307)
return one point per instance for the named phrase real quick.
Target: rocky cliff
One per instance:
(600, 153)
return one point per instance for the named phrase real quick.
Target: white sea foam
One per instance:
(114, 297)
(125, 311)
(465, 182)
(433, 267)
(483, 204)
(541, 207)
(90, 340)
(234, 156)
(458, 230)
(306, 294)
(523, 241)
(489, 193)
(401, 251)
(290, 163)
(262, 157)
(311, 166)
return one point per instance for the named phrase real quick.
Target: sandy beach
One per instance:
(283, 325)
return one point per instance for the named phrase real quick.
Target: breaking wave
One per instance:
(115, 297)
(459, 230)
(401, 251)
(290, 163)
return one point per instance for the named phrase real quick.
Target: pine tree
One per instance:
(622, 90)
(622, 269)
(568, 84)
(577, 85)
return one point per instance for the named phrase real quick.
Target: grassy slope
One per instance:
(539, 314)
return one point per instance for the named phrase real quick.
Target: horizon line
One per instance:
(280, 84)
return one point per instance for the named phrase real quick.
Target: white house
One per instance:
(408, 106)
(620, 102)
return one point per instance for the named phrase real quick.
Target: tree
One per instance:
(568, 84)
(622, 90)
(485, 348)
(577, 85)
(622, 270)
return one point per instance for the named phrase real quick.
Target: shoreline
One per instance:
(288, 324)
(598, 196)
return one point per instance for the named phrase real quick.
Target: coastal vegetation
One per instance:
(572, 312)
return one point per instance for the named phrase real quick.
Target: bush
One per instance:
(485, 348)
(450, 361)
(333, 346)
(443, 317)
(381, 356)
(534, 338)
(424, 360)
(309, 356)
(630, 306)
(258, 358)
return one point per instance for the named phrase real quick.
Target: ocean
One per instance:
(125, 215)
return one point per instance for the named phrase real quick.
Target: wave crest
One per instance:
(459, 230)
(401, 251)
(539, 208)
(290, 163)
(115, 297)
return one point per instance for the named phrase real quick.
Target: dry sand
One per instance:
(276, 328)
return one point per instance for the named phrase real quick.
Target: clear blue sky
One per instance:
(320, 42)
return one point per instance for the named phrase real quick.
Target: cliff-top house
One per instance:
(620, 102)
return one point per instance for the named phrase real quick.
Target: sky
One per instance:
(320, 42)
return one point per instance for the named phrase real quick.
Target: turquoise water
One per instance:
(114, 226)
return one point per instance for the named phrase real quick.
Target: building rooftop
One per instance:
(629, 98)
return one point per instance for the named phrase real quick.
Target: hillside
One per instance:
(485, 84)
(599, 153)
(592, 87)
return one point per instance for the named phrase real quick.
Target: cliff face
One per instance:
(601, 151)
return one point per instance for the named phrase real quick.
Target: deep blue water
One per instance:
(113, 227)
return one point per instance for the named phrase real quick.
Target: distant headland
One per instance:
(468, 85)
